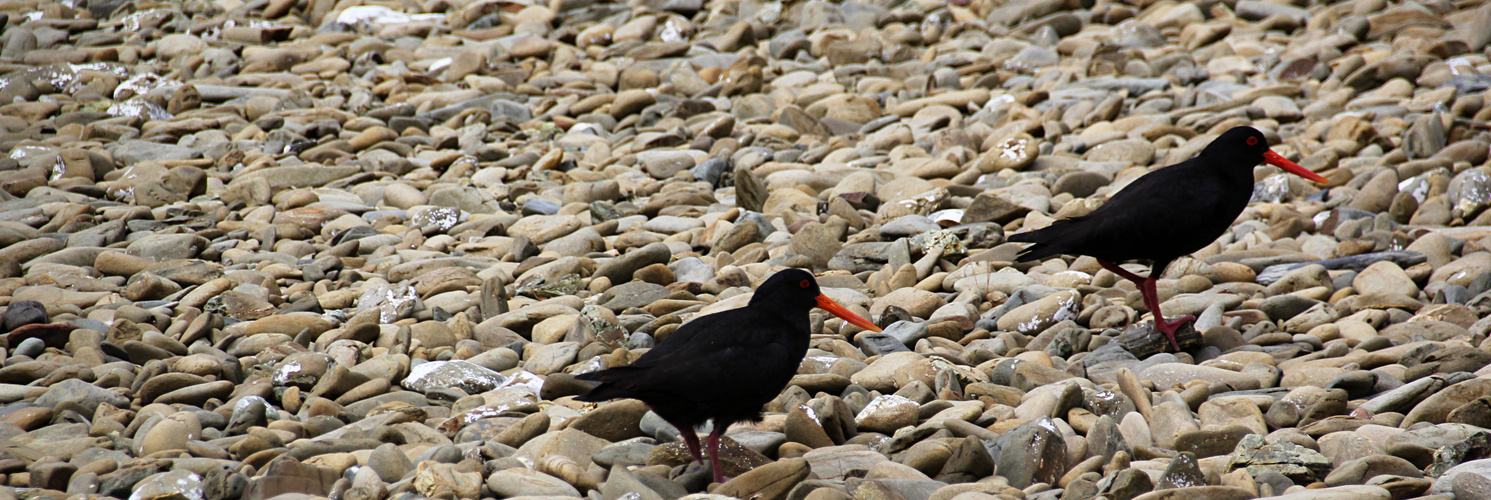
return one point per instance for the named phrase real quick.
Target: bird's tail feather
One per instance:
(1048, 241)
(595, 376)
(1025, 237)
(1037, 251)
(605, 392)
(613, 382)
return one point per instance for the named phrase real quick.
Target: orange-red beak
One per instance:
(829, 305)
(1272, 158)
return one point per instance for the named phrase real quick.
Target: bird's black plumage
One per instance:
(723, 367)
(1162, 215)
(1165, 214)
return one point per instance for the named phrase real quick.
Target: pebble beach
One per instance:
(360, 249)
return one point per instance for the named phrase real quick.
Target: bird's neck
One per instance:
(797, 317)
(1240, 174)
(1234, 169)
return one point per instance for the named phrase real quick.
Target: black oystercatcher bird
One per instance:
(724, 366)
(1165, 214)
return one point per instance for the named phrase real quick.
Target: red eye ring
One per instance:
(805, 284)
(1252, 141)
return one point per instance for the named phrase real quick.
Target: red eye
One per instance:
(805, 284)
(1252, 141)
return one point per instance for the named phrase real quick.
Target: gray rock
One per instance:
(178, 483)
(130, 152)
(86, 395)
(1296, 462)
(875, 344)
(518, 481)
(907, 225)
(458, 374)
(1183, 472)
(1446, 482)
(817, 242)
(1404, 259)
(630, 452)
(540, 206)
(634, 294)
(1284, 307)
(711, 171)
(691, 269)
(22, 313)
(495, 103)
(163, 247)
(620, 269)
(1032, 453)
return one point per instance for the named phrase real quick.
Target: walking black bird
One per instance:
(723, 367)
(1165, 214)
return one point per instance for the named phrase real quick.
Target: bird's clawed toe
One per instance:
(1175, 324)
(1170, 327)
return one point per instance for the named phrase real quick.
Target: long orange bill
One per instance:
(1272, 158)
(829, 305)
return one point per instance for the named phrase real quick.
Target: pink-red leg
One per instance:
(1152, 301)
(1124, 273)
(691, 440)
(713, 443)
(1148, 289)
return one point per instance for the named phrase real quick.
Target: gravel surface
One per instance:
(309, 248)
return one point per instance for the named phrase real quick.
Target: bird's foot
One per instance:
(1169, 327)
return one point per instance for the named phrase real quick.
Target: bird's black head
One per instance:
(793, 292)
(1244, 147)
(790, 288)
(1245, 144)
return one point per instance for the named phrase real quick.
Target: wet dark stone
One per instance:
(1210, 442)
(1143, 340)
(1475, 447)
(711, 171)
(750, 191)
(1183, 472)
(1129, 483)
(1292, 461)
(1450, 360)
(19, 314)
(1404, 258)
(875, 344)
(1031, 453)
(121, 482)
(54, 335)
(223, 483)
(1357, 384)
(969, 462)
(1104, 439)
(285, 474)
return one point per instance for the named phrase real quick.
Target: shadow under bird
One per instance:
(723, 367)
(1165, 214)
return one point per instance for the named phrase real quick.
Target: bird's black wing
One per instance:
(1163, 212)
(723, 355)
